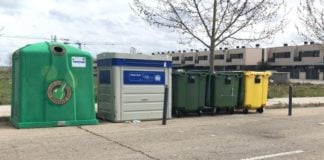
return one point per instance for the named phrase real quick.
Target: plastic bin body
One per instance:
(226, 89)
(52, 86)
(256, 89)
(131, 86)
(189, 91)
(179, 88)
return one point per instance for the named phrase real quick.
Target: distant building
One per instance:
(225, 59)
(301, 62)
(5, 68)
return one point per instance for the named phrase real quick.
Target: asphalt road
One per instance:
(271, 135)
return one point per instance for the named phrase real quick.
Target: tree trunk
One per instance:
(211, 58)
(212, 40)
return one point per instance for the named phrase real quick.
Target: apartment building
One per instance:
(177, 58)
(302, 62)
(224, 59)
(202, 59)
(190, 58)
(244, 58)
(307, 54)
(5, 68)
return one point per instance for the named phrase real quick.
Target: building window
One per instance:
(202, 58)
(271, 59)
(175, 58)
(189, 58)
(315, 53)
(281, 54)
(237, 56)
(221, 56)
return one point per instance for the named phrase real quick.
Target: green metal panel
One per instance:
(52, 86)
(226, 89)
(189, 91)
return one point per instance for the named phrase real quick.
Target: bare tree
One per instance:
(311, 15)
(215, 22)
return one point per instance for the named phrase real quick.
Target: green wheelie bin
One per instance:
(226, 91)
(188, 92)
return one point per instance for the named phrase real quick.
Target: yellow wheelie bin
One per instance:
(255, 90)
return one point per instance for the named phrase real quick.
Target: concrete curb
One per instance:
(300, 101)
(279, 106)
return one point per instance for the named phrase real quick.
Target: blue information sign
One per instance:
(144, 77)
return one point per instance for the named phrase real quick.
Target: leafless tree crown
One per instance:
(311, 15)
(215, 22)
(195, 17)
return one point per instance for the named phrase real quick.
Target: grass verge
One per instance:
(299, 90)
(5, 88)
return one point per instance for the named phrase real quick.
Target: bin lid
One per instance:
(230, 73)
(197, 73)
(56, 48)
(249, 73)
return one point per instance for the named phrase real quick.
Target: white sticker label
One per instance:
(79, 62)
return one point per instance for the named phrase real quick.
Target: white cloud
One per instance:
(87, 21)
(90, 21)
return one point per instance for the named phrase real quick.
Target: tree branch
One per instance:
(201, 18)
(232, 21)
(185, 26)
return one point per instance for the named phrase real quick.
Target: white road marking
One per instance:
(274, 155)
(320, 123)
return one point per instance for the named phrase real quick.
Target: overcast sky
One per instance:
(95, 22)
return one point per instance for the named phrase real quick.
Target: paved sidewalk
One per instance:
(5, 109)
(272, 135)
(296, 101)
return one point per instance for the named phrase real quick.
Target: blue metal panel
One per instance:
(134, 62)
(144, 77)
(104, 77)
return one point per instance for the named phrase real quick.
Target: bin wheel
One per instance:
(214, 111)
(260, 110)
(200, 112)
(178, 113)
(245, 111)
(231, 110)
(218, 110)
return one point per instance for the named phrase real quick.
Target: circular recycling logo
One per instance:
(157, 78)
(59, 92)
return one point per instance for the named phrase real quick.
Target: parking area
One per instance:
(271, 135)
